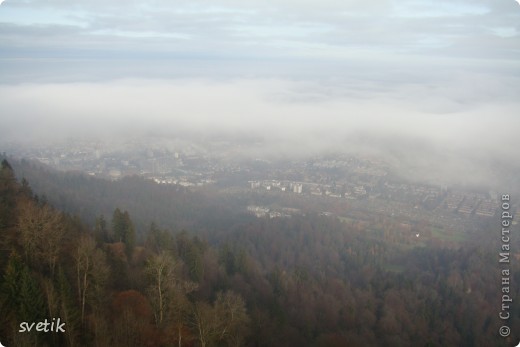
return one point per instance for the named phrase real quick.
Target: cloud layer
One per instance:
(471, 112)
(257, 30)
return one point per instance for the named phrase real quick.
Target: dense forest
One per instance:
(89, 197)
(309, 280)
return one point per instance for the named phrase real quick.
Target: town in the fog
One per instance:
(346, 185)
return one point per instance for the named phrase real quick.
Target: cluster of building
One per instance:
(114, 160)
(484, 205)
(283, 186)
(264, 211)
(315, 189)
(340, 177)
(425, 197)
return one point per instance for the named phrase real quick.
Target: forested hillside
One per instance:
(90, 197)
(302, 281)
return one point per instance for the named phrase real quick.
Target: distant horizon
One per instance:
(306, 77)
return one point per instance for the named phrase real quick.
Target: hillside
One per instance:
(88, 197)
(302, 281)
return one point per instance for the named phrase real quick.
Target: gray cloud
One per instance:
(459, 113)
(270, 29)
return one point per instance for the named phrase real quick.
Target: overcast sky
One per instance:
(443, 72)
(259, 36)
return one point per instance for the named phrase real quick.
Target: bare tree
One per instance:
(160, 269)
(41, 233)
(167, 292)
(91, 271)
(205, 323)
(226, 320)
(231, 311)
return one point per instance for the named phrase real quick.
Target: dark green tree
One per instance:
(68, 309)
(159, 240)
(10, 290)
(8, 189)
(191, 251)
(101, 231)
(124, 231)
(118, 225)
(22, 301)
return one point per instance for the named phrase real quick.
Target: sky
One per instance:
(303, 74)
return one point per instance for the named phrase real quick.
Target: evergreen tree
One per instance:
(68, 310)
(159, 240)
(118, 226)
(8, 189)
(31, 302)
(123, 230)
(10, 290)
(23, 301)
(100, 230)
(129, 238)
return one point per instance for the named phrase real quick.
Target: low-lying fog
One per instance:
(432, 86)
(458, 129)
